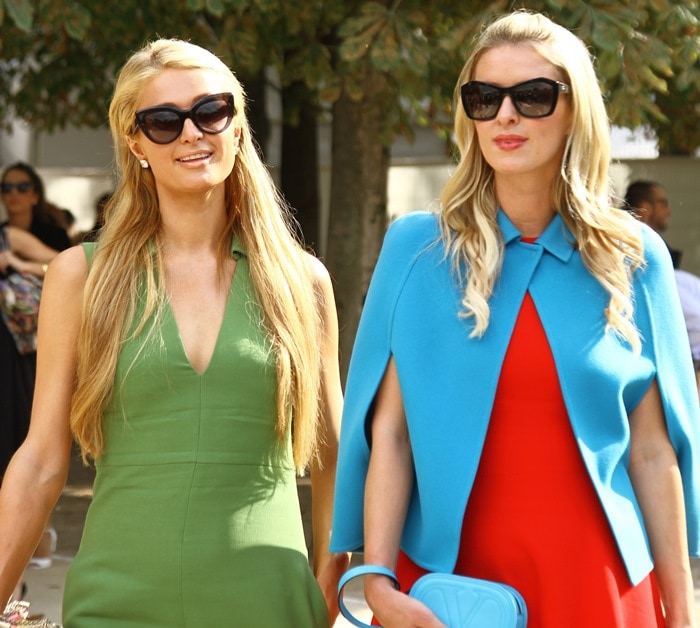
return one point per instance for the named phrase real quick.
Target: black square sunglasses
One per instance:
(23, 187)
(163, 124)
(536, 98)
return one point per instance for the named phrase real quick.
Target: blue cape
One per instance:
(448, 380)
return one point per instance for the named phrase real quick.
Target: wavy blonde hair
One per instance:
(608, 238)
(127, 258)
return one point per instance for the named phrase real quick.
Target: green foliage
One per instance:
(59, 56)
(21, 13)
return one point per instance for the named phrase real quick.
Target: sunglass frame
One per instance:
(512, 92)
(141, 121)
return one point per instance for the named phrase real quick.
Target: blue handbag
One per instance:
(457, 601)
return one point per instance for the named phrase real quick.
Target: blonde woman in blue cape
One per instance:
(521, 405)
(192, 352)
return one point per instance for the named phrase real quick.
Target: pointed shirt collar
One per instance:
(556, 239)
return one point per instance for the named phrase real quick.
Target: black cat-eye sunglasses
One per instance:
(163, 124)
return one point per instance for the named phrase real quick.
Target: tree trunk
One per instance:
(299, 177)
(358, 201)
(255, 87)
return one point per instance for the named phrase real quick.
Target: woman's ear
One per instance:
(135, 148)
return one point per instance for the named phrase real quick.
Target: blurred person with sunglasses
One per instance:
(519, 406)
(23, 197)
(197, 366)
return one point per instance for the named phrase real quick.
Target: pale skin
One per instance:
(524, 177)
(388, 490)
(191, 195)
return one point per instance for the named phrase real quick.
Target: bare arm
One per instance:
(387, 495)
(27, 253)
(657, 484)
(29, 246)
(38, 471)
(327, 567)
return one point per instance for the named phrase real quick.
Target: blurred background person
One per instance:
(20, 252)
(65, 219)
(100, 205)
(688, 286)
(26, 206)
(649, 202)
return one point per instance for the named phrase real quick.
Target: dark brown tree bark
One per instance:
(358, 200)
(299, 176)
(256, 111)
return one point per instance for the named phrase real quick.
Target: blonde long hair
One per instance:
(125, 258)
(608, 238)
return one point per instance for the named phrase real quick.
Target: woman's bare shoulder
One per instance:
(69, 268)
(318, 270)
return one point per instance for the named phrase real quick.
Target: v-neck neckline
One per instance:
(215, 349)
(238, 253)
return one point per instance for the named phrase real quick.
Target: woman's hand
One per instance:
(394, 609)
(328, 576)
(9, 260)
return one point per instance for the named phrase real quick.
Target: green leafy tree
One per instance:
(380, 67)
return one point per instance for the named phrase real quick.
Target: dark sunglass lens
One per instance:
(481, 101)
(535, 99)
(214, 116)
(22, 187)
(162, 126)
(211, 114)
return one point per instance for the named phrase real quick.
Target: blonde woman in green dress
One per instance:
(192, 352)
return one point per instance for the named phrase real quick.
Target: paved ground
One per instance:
(45, 587)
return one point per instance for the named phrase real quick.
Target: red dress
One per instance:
(534, 520)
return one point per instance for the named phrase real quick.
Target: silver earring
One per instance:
(144, 163)
(236, 149)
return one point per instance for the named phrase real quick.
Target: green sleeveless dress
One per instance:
(195, 519)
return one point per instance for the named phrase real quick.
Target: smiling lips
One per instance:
(509, 142)
(194, 157)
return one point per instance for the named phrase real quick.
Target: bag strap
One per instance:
(356, 572)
